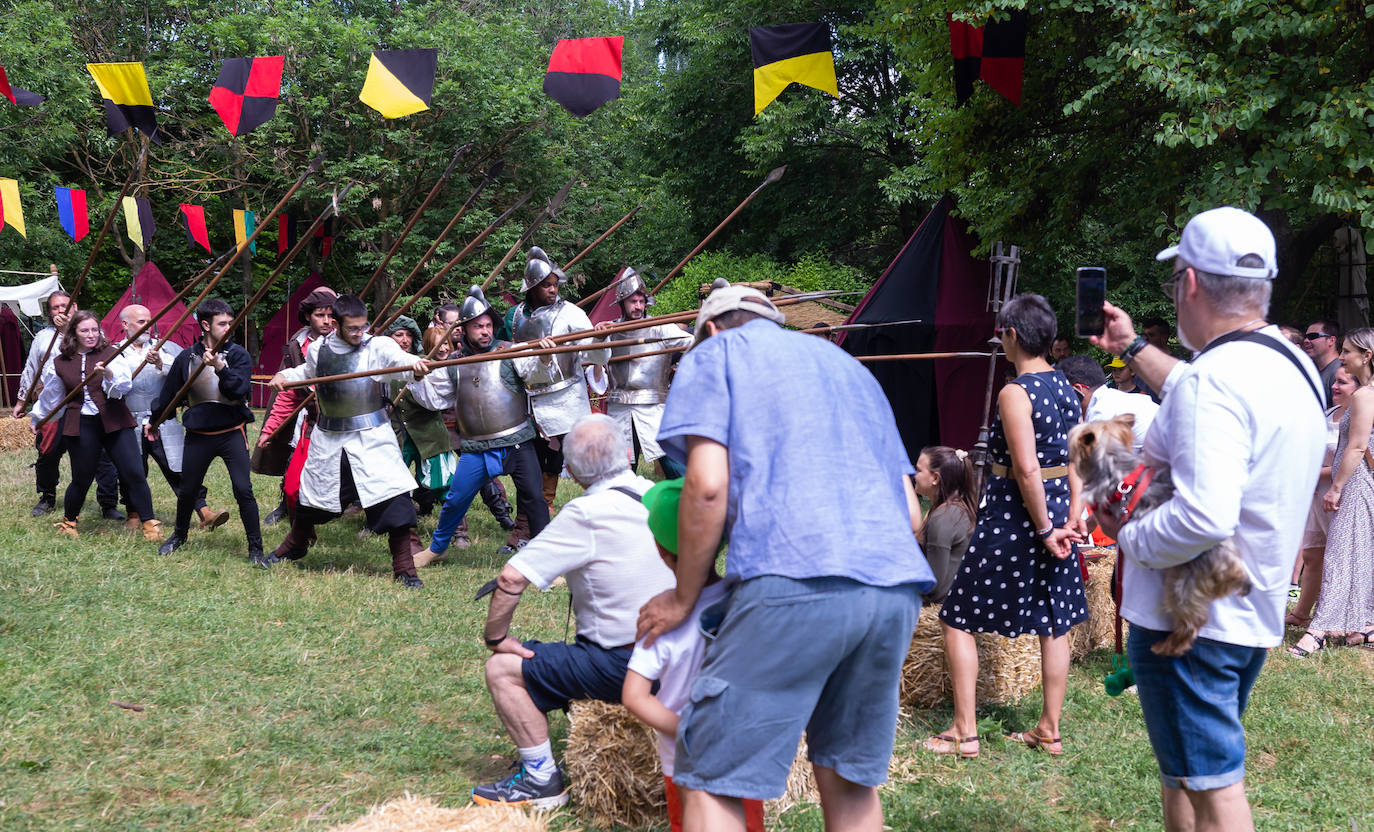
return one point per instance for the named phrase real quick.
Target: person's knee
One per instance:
(503, 671)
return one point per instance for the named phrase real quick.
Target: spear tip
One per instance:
(774, 175)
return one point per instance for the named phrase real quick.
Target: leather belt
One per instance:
(1045, 473)
(342, 424)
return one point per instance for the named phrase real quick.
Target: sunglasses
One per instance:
(1312, 336)
(1167, 286)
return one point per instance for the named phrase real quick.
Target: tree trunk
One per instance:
(1296, 248)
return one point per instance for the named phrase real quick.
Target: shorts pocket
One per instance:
(705, 691)
(798, 599)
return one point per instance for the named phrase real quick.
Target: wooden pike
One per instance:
(304, 239)
(815, 330)
(773, 175)
(415, 217)
(549, 211)
(585, 302)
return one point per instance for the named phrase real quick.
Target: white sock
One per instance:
(538, 762)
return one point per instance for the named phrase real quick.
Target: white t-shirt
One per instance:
(602, 544)
(673, 661)
(1108, 403)
(1242, 435)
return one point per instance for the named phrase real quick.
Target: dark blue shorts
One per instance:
(560, 673)
(1192, 706)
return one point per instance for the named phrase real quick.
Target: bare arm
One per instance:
(636, 697)
(1357, 442)
(509, 586)
(913, 505)
(1017, 422)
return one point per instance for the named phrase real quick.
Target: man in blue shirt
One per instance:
(816, 628)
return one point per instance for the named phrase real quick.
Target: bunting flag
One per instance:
(11, 210)
(324, 237)
(138, 221)
(246, 93)
(791, 52)
(71, 212)
(128, 103)
(400, 82)
(286, 234)
(584, 73)
(243, 229)
(18, 97)
(995, 53)
(193, 217)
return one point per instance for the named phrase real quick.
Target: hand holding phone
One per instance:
(1091, 295)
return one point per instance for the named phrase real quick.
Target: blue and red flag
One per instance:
(71, 212)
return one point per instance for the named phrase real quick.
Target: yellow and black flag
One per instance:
(400, 82)
(128, 103)
(791, 52)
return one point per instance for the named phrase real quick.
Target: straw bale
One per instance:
(1008, 668)
(1099, 630)
(15, 435)
(420, 814)
(616, 780)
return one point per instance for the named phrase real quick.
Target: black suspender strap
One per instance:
(1272, 343)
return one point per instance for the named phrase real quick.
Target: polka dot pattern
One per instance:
(1008, 582)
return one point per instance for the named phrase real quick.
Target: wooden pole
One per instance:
(549, 210)
(583, 253)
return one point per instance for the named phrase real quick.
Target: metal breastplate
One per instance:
(355, 404)
(640, 380)
(145, 388)
(487, 408)
(206, 386)
(541, 323)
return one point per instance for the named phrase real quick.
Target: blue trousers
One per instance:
(476, 469)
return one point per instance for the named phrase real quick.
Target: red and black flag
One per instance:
(584, 73)
(400, 82)
(995, 53)
(125, 96)
(324, 237)
(246, 93)
(286, 234)
(193, 217)
(18, 97)
(791, 52)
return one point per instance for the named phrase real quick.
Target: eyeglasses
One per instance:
(1312, 336)
(354, 330)
(1167, 287)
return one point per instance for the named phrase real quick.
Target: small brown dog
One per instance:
(1103, 455)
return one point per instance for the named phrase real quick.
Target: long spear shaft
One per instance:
(132, 339)
(549, 210)
(918, 356)
(90, 260)
(815, 330)
(415, 217)
(491, 175)
(301, 243)
(773, 175)
(238, 251)
(494, 355)
(583, 253)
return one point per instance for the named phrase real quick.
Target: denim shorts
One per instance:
(1193, 705)
(560, 673)
(822, 655)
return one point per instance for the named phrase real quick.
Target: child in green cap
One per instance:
(674, 659)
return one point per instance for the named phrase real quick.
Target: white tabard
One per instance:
(373, 455)
(642, 420)
(556, 412)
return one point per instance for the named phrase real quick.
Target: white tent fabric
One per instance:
(29, 297)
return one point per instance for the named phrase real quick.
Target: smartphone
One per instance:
(1092, 294)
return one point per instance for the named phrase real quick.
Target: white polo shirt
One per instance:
(1242, 436)
(601, 543)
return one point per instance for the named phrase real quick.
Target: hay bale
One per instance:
(1008, 668)
(616, 780)
(1099, 630)
(420, 814)
(15, 435)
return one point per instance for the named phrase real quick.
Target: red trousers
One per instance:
(753, 809)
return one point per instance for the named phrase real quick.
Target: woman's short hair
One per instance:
(595, 449)
(1033, 319)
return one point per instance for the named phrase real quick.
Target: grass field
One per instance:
(297, 698)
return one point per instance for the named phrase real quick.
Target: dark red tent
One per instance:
(13, 353)
(281, 327)
(935, 279)
(152, 290)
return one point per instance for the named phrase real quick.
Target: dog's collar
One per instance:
(1132, 487)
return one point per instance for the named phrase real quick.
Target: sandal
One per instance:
(1292, 619)
(1036, 741)
(1366, 639)
(1300, 653)
(949, 746)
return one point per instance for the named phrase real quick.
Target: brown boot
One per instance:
(133, 524)
(517, 534)
(461, 540)
(67, 527)
(211, 519)
(152, 530)
(550, 490)
(297, 542)
(403, 557)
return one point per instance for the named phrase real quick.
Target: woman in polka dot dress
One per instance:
(1018, 577)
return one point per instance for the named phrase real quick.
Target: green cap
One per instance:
(661, 500)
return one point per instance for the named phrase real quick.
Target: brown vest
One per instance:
(114, 414)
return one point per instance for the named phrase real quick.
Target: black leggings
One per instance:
(158, 452)
(84, 453)
(46, 471)
(201, 450)
(524, 466)
(550, 459)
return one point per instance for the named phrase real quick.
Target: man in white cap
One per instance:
(1241, 432)
(816, 627)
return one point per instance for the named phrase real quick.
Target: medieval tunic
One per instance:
(639, 387)
(373, 455)
(144, 390)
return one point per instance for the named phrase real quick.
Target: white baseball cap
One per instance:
(727, 298)
(1214, 241)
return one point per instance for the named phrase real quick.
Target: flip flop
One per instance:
(1037, 741)
(947, 746)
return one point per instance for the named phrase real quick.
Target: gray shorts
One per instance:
(822, 654)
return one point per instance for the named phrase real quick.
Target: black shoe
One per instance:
(517, 790)
(276, 515)
(410, 581)
(510, 550)
(506, 521)
(44, 505)
(114, 514)
(257, 558)
(171, 544)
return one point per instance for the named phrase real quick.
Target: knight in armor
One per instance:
(94, 421)
(280, 441)
(498, 436)
(214, 420)
(147, 365)
(638, 387)
(558, 391)
(353, 454)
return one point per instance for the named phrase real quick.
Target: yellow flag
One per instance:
(11, 211)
